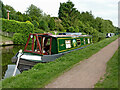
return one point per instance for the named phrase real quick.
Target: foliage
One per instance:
(52, 32)
(110, 79)
(10, 8)
(33, 11)
(3, 10)
(76, 29)
(43, 25)
(18, 38)
(71, 29)
(43, 73)
(51, 24)
(68, 14)
(38, 31)
(58, 25)
(17, 27)
(26, 18)
(35, 23)
(69, 20)
(28, 22)
(85, 21)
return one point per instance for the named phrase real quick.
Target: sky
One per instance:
(106, 9)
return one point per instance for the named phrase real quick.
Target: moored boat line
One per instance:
(48, 47)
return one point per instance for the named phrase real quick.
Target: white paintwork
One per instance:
(88, 40)
(31, 57)
(68, 43)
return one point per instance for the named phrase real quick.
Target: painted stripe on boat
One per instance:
(31, 57)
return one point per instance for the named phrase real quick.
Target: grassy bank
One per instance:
(4, 39)
(110, 79)
(42, 73)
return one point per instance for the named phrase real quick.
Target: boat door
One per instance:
(46, 45)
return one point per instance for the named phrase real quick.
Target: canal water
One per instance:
(7, 66)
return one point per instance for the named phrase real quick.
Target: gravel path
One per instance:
(87, 72)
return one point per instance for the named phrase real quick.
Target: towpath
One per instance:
(88, 72)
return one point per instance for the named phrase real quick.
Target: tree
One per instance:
(68, 14)
(35, 23)
(81, 26)
(26, 18)
(43, 25)
(12, 14)
(34, 18)
(10, 8)
(51, 24)
(3, 10)
(58, 25)
(34, 11)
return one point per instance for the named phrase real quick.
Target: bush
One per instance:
(38, 31)
(35, 23)
(71, 29)
(52, 32)
(43, 25)
(16, 26)
(83, 33)
(18, 38)
(21, 29)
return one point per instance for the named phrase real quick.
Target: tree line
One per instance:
(69, 20)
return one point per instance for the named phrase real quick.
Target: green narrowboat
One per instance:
(48, 47)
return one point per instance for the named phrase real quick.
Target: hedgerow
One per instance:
(23, 28)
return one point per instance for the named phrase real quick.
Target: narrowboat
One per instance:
(47, 47)
(108, 35)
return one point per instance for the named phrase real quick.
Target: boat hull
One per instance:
(25, 64)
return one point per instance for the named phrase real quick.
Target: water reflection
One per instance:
(10, 70)
(7, 53)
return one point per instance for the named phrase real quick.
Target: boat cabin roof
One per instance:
(56, 36)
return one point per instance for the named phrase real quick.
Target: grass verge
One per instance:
(43, 73)
(110, 79)
(4, 39)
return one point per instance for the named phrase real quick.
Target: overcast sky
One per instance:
(107, 9)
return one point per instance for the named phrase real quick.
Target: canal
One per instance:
(7, 52)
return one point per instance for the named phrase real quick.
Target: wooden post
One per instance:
(8, 14)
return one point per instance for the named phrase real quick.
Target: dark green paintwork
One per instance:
(62, 46)
(54, 48)
(59, 45)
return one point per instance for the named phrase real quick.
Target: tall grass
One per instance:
(43, 73)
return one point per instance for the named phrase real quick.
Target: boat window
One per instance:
(78, 42)
(36, 47)
(46, 47)
(29, 47)
(68, 43)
